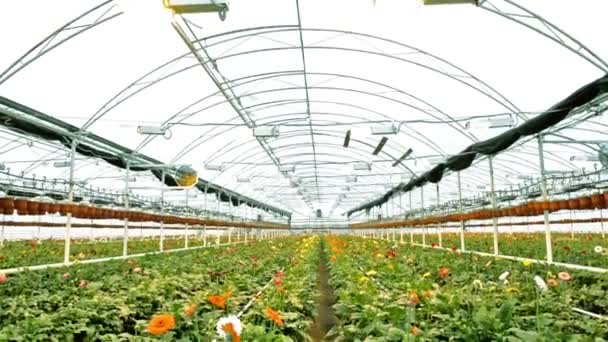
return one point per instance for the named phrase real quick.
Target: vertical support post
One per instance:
(462, 245)
(411, 210)
(493, 199)
(162, 209)
(188, 215)
(422, 210)
(204, 235)
(439, 226)
(543, 185)
(125, 237)
(68, 226)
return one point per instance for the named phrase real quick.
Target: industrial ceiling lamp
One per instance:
(497, 122)
(198, 6)
(451, 2)
(384, 129)
(362, 166)
(266, 132)
(351, 179)
(215, 167)
(287, 168)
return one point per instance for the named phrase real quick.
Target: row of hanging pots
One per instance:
(532, 208)
(24, 206)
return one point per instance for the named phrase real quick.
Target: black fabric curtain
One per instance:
(495, 145)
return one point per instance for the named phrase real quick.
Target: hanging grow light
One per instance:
(351, 179)
(287, 168)
(62, 163)
(198, 6)
(215, 167)
(451, 2)
(361, 166)
(266, 132)
(384, 129)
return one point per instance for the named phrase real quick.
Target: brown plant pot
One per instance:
(554, 206)
(574, 204)
(7, 205)
(597, 201)
(44, 208)
(21, 206)
(585, 203)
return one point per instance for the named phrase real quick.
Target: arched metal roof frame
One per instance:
(538, 18)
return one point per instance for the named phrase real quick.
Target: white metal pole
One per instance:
(187, 215)
(411, 210)
(125, 239)
(68, 227)
(543, 184)
(493, 198)
(205, 235)
(439, 226)
(462, 245)
(422, 211)
(161, 244)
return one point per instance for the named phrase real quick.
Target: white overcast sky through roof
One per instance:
(74, 81)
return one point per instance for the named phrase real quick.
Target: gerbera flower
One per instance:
(230, 326)
(598, 249)
(454, 248)
(413, 298)
(444, 272)
(217, 301)
(227, 294)
(552, 282)
(564, 276)
(274, 316)
(527, 263)
(278, 282)
(415, 331)
(3, 278)
(428, 294)
(333, 258)
(434, 245)
(190, 310)
(161, 324)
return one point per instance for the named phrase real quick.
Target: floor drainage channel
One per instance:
(325, 319)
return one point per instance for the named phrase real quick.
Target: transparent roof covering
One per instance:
(433, 79)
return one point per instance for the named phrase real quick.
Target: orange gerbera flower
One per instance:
(415, 330)
(217, 301)
(161, 324)
(274, 316)
(190, 310)
(228, 328)
(444, 272)
(413, 298)
(227, 294)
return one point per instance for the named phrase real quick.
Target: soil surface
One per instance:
(325, 319)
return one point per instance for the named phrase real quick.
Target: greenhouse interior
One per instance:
(304, 170)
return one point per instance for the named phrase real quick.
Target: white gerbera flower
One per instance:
(237, 326)
(540, 283)
(504, 276)
(598, 249)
